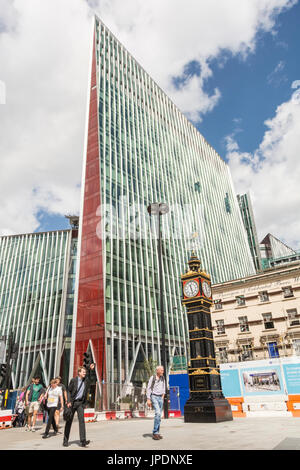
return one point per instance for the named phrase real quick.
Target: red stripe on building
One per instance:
(90, 309)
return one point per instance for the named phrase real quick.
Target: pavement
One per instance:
(273, 433)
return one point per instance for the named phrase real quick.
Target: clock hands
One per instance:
(191, 289)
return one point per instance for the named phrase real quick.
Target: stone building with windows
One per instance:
(258, 317)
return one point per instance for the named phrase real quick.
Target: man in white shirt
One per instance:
(156, 390)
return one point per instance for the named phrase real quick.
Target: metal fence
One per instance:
(107, 397)
(119, 397)
(252, 355)
(123, 397)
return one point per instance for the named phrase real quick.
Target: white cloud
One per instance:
(231, 144)
(295, 84)
(276, 77)
(272, 174)
(165, 36)
(7, 15)
(44, 61)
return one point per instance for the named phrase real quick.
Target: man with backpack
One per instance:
(156, 390)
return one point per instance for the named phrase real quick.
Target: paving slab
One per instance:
(274, 433)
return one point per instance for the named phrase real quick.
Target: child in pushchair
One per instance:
(19, 414)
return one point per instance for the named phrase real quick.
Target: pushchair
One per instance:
(19, 414)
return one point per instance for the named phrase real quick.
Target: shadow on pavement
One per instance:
(289, 443)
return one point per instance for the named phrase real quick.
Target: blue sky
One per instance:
(49, 222)
(227, 64)
(252, 88)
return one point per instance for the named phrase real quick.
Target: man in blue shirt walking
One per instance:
(77, 392)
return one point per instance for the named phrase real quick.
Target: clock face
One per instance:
(191, 289)
(206, 289)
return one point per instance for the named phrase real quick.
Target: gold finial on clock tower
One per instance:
(194, 263)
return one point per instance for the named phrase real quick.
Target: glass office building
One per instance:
(246, 209)
(140, 149)
(37, 277)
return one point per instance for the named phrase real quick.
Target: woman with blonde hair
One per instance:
(53, 396)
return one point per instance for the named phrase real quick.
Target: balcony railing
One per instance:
(255, 356)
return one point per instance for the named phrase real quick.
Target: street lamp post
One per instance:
(159, 210)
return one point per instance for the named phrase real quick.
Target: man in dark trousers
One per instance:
(77, 392)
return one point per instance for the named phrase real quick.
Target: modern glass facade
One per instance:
(37, 276)
(245, 204)
(141, 149)
(271, 247)
(275, 253)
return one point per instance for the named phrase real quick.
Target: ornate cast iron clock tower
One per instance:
(206, 402)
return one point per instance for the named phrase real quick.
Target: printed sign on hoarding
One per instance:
(262, 381)
(292, 378)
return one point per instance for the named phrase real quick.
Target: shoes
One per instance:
(44, 436)
(160, 436)
(65, 443)
(155, 437)
(27, 428)
(33, 429)
(84, 443)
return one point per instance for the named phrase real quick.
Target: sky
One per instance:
(232, 67)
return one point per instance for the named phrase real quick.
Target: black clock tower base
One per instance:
(209, 410)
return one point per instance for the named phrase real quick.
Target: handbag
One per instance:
(67, 414)
(43, 403)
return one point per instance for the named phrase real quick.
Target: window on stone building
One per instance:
(240, 300)
(244, 326)
(293, 317)
(223, 354)
(268, 321)
(247, 353)
(263, 296)
(218, 304)
(273, 349)
(220, 327)
(287, 292)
